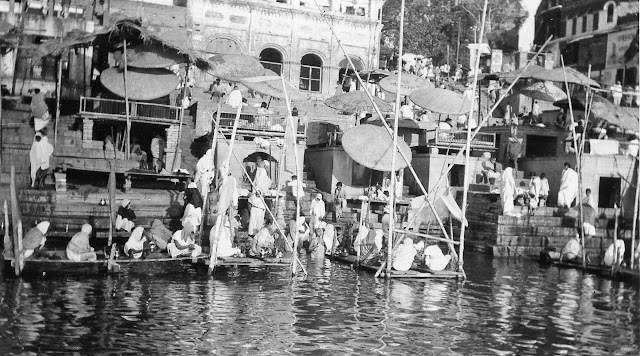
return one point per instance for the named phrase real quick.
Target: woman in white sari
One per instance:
(205, 169)
(507, 190)
(568, 186)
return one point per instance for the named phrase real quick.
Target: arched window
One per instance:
(271, 59)
(223, 45)
(610, 9)
(311, 73)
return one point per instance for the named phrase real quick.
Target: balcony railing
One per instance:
(258, 122)
(138, 111)
(458, 138)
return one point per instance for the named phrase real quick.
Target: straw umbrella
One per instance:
(272, 85)
(355, 102)
(572, 77)
(544, 91)
(442, 101)
(371, 146)
(235, 67)
(142, 83)
(409, 83)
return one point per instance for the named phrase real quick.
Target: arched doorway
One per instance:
(311, 73)
(271, 165)
(271, 59)
(344, 73)
(224, 45)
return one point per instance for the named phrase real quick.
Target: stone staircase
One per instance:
(502, 235)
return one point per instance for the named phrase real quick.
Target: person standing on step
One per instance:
(339, 201)
(589, 199)
(544, 189)
(534, 192)
(317, 212)
(568, 186)
(125, 219)
(507, 189)
(297, 188)
(514, 147)
(41, 151)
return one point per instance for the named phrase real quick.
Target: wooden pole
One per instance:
(394, 181)
(16, 224)
(233, 136)
(182, 109)
(126, 105)
(294, 132)
(468, 148)
(1, 130)
(58, 91)
(7, 235)
(634, 223)
(614, 265)
(214, 144)
(578, 166)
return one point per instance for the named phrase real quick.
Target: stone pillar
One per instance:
(172, 145)
(87, 133)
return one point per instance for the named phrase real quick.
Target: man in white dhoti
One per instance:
(507, 190)
(262, 184)
(316, 211)
(205, 170)
(568, 186)
(41, 151)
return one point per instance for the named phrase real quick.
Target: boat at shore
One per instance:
(416, 271)
(619, 273)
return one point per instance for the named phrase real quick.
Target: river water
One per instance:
(504, 307)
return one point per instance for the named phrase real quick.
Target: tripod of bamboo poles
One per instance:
(394, 180)
(213, 258)
(267, 209)
(468, 143)
(578, 165)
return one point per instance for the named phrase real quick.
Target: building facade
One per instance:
(290, 37)
(599, 33)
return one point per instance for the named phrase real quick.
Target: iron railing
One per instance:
(258, 122)
(137, 110)
(444, 137)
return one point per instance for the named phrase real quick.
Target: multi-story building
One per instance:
(599, 33)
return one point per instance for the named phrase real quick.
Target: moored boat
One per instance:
(416, 271)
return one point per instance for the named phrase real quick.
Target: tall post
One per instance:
(126, 104)
(578, 165)
(634, 224)
(614, 265)
(182, 109)
(458, 46)
(58, 91)
(468, 147)
(394, 181)
(1, 140)
(16, 223)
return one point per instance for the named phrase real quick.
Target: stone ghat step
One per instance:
(512, 220)
(514, 251)
(534, 241)
(28, 208)
(536, 230)
(60, 223)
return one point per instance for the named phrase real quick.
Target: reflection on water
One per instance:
(505, 307)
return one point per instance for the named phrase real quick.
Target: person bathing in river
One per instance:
(616, 257)
(79, 248)
(263, 243)
(125, 219)
(183, 243)
(35, 238)
(138, 244)
(572, 251)
(302, 229)
(316, 211)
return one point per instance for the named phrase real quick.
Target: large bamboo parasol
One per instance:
(409, 84)
(271, 85)
(442, 101)
(355, 101)
(142, 84)
(152, 55)
(235, 67)
(371, 146)
(544, 91)
(573, 77)
(522, 73)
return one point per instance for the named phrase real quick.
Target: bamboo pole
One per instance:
(233, 136)
(614, 265)
(426, 236)
(278, 227)
(294, 132)
(126, 104)
(634, 223)
(16, 225)
(182, 109)
(394, 181)
(58, 91)
(214, 146)
(578, 165)
(7, 235)
(468, 147)
(1, 139)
